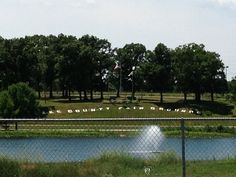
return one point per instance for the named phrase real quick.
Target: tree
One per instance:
(232, 88)
(214, 76)
(182, 66)
(19, 101)
(67, 51)
(162, 59)
(6, 105)
(129, 58)
(157, 70)
(3, 68)
(51, 58)
(10, 55)
(197, 70)
(94, 63)
(33, 62)
(84, 71)
(67, 65)
(103, 63)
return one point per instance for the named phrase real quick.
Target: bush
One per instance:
(6, 105)
(9, 168)
(19, 101)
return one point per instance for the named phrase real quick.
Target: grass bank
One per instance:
(120, 131)
(166, 165)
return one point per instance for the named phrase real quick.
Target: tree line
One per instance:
(89, 64)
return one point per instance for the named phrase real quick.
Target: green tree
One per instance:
(182, 67)
(33, 63)
(89, 58)
(50, 60)
(11, 54)
(214, 76)
(84, 71)
(157, 70)
(67, 65)
(19, 101)
(232, 88)
(162, 60)
(6, 105)
(3, 68)
(129, 58)
(103, 63)
(67, 55)
(197, 70)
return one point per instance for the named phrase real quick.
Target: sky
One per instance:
(172, 22)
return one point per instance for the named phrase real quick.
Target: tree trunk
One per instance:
(51, 91)
(212, 93)
(102, 95)
(212, 96)
(118, 92)
(80, 95)
(16, 125)
(63, 92)
(85, 96)
(197, 96)
(91, 95)
(185, 97)
(133, 90)
(161, 99)
(39, 92)
(66, 93)
(133, 95)
(69, 94)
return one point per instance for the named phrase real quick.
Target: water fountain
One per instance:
(148, 142)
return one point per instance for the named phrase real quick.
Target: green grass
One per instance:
(9, 168)
(106, 130)
(220, 107)
(60, 134)
(172, 100)
(114, 165)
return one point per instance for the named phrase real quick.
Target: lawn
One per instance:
(124, 108)
(112, 165)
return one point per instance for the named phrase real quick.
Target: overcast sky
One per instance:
(172, 22)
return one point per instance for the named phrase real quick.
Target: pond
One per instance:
(78, 149)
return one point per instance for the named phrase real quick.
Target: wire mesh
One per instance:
(153, 146)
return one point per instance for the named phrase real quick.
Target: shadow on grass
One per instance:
(77, 101)
(206, 107)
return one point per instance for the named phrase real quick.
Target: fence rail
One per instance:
(119, 119)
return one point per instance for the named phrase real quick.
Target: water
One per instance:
(150, 141)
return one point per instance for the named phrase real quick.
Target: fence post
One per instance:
(16, 125)
(183, 148)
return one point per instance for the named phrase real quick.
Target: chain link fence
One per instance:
(118, 147)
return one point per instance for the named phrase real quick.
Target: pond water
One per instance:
(77, 149)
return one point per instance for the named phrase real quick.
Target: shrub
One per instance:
(6, 105)
(19, 101)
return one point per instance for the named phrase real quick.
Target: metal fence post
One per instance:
(16, 125)
(183, 148)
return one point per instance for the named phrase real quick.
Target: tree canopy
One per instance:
(89, 64)
(19, 100)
